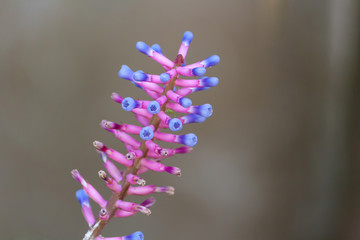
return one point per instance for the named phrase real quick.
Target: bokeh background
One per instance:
(279, 158)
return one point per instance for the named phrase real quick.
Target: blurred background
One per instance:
(279, 158)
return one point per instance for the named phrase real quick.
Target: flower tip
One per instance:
(147, 133)
(76, 175)
(144, 48)
(125, 72)
(104, 214)
(198, 71)
(135, 236)
(187, 38)
(170, 190)
(153, 107)
(102, 175)
(175, 124)
(140, 76)
(211, 81)
(164, 152)
(82, 196)
(185, 102)
(109, 125)
(189, 139)
(164, 77)
(116, 97)
(206, 110)
(128, 104)
(98, 145)
(156, 47)
(194, 118)
(173, 170)
(143, 210)
(211, 61)
(149, 202)
(130, 156)
(141, 182)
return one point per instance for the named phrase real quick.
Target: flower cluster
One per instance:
(169, 96)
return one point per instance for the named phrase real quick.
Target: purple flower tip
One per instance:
(128, 104)
(126, 73)
(140, 76)
(201, 89)
(211, 61)
(164, 77)
(187, 38)
(173, 170)
(82, 197)
(185, 102)
(148, 202)
(135, 236)
(147, 133)
(156, 47)
(198, 71)
(204, 110)
(175, 124)
(153, 107)
(144, 48)
(211, 82)
(189, 139)
(194, 118)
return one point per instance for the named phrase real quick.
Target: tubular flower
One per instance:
(168, 93)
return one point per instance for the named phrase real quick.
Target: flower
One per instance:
(168, 93)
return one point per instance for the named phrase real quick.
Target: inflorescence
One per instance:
(169, 95)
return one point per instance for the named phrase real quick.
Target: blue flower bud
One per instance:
(135, 236)
(175, 124)
(129, 104)
(140, 76)
(185, 102)
(126, 73)
(211, 61)
(210, 82)
(164, 77)
(144, 48)
(156, 47)
(184, 64)
(82, 197)
(153, 107)
(187, 38)
(146, 133)
(201, 89)
(193, 118)
(188, 139)
(198, 71)
(204, 110)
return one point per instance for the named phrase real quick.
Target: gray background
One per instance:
(279, 158)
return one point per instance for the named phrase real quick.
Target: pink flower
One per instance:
(167, 92)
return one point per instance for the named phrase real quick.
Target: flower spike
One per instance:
(167, 108)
